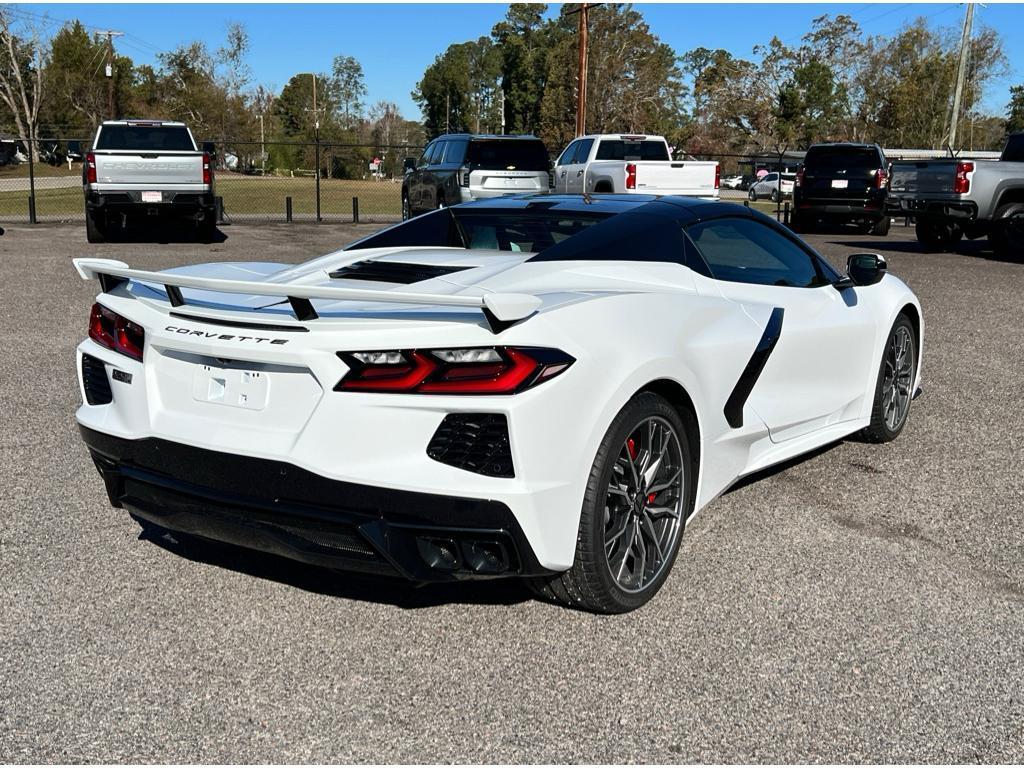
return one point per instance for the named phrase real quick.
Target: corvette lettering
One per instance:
(223, 336)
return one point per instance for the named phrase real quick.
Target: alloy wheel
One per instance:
(644, 505)
(898, 378)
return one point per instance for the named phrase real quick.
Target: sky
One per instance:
(395, 43)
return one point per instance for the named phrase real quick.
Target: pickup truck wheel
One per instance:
(94, 232)
(440, 202)
(207, 229)
(1007, 235)
(881, 227)
(937, 235)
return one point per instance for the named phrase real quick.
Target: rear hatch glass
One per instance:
(840, 171)
(508, 154)
(146, 138)
(623, 149)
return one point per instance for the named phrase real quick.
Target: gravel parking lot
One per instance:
(862, 604)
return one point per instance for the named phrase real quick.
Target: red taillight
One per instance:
(962, 183)
(630, 176)
(799, 180)
(881, 178)
(467, 371)
(90, 168)
(718, 176)
(110, 330)
(207, 169)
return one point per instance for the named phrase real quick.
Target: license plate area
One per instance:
(232, 387)
(840, 183)
(152, 197)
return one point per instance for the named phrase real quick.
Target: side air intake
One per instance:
(476, 442)
(95, 381)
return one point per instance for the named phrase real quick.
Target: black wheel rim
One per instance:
(643, 516)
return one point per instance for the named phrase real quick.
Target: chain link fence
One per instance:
(254, 181)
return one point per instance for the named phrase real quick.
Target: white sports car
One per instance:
(546, 387)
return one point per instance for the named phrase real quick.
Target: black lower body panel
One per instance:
(279, 508)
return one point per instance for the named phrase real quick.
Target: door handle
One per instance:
(579, 172)
(563, 174)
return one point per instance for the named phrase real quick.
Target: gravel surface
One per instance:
(863, 604)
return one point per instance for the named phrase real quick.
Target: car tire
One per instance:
(894, 393)
(94, 231)
(207, 229)
(880, 227)
(937, 235)
(774, 196)
(598, 580)
(799, 224)
(752, 195)
(1007, 234)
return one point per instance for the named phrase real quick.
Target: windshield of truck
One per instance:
(624, 149)
(508, 154)
(826, 159)
(146, 138)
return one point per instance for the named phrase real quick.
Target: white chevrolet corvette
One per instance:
(544, 387)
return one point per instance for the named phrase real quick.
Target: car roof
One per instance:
(842, 145)
(517, 137)
(685, 210)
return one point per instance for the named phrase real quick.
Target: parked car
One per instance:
(147, 168)
(423, 406)
(460, 167)
(842, 183)
(629, 164)
(954, 198)
(733, 182)
(771, 187)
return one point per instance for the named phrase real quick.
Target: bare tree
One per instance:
(21, 79)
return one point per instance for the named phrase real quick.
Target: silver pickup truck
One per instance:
(146, 168)
(954, 198)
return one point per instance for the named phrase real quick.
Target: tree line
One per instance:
(836, 84)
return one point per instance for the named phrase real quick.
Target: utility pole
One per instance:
(502, 111)
(111, 34)
(961, 74)
(263, 150)
(584, 32)
(316, 139)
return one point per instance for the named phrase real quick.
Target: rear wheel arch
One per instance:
(914, 316)
(680, 400)
(1015, 195)
(603, 186)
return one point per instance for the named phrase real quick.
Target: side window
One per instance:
(583, 151)
(747, 251)
(567, 156)
(456, 152)
(438, 154)
(771, 177)
(425, 157)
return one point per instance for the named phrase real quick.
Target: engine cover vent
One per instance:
(392, 272)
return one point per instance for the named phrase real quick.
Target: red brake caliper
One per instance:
(631, 447)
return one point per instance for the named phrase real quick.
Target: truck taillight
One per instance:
(464, 176)
(881, 178)
(90, 168)
(207, 169)
(962, 182)
(630, 176)
(110, 330)
(718, 176)
(799, 180)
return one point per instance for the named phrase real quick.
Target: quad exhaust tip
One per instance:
(481, 556)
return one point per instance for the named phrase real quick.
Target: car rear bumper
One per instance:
(933, 208)
(173, 202)
(276, 507)
(864, 209)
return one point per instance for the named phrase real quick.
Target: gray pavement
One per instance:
(863, 604)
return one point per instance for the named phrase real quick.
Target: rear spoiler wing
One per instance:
(501, 310)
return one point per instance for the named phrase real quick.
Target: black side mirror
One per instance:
(863, 269)
(409, 165)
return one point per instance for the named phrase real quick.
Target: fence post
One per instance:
(785, 214)
(355, 210)
(318, 175)
(288, 209)
(31, 181)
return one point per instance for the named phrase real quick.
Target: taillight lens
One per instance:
(90, 168)
(799, 180)
(718, 176)
(881, 178)
(463, 371)
(207, 169)
(962, 182)
(111, 330)
(630, 176)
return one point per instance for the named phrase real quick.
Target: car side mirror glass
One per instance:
(409, 165)
(865, 268)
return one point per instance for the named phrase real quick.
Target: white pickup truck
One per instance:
(146, 168)
(632, 164)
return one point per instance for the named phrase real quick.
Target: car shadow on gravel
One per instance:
(978, 248)
(162, 232)
(324, 581)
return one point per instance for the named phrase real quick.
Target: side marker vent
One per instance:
(476, 442)
(95, 381)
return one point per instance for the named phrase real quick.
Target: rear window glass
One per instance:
(616, 149)
(1014, 152)
(508, 154)
(157, 138)
(627, 237)
(842, 159)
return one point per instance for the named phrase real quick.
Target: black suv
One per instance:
(842, 184)
(459, 167)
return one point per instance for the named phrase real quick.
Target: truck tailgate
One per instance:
(691, 177)
(923, 177)
(155, 170)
